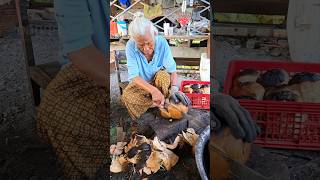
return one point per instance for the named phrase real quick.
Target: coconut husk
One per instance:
(169, 159)
(115, 166)
(248, 89)
(146, 155)
(136, 140)
(147, 170)
(173, 110)
(153, 163)
(160, 145)
(190, 136)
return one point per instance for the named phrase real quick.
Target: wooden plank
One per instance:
(44, 15)
(188, 72)
(191, 37)
(22, 17)
(177, 52)
(123, 85)
(164, 12)
(187, 62)
(186, 52)
(39, 76)
(8, 18)
(118, 46)
(186, 37)
(266, 7)
(43, 74)
(120, 136)
(37, 5)
(51, 69)
(232, 29)
(26, 38)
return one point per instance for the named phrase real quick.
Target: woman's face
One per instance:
(145, 44)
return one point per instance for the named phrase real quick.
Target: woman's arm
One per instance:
(173, 78)
(76, 30)
(92, 62)
(157, 96)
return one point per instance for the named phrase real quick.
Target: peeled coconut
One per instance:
(115, 165)
(191, 137)
(169, 159)
(153, 163)
(173, 111)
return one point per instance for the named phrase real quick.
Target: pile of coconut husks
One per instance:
(144, 156)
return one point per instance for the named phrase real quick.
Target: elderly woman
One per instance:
(72, 116)
(152, 69)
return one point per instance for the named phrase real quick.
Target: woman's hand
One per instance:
(225, 110)
(157, 98)
(178, 96)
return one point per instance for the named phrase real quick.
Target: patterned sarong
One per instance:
(138, 100)
(72, 117)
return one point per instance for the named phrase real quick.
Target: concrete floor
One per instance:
(22, 154)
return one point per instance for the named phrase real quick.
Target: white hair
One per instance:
(141, 25)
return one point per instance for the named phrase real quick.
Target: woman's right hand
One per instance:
(157, 98)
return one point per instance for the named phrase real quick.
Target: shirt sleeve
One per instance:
(169, 63)
(133, 69)
(75, 28)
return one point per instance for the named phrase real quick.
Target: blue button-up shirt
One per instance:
(82, 23)
(138, 65)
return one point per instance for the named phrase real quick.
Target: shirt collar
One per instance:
(136, 47)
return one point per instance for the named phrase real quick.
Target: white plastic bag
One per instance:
(204, 67)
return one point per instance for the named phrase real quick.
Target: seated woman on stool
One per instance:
(151, 67)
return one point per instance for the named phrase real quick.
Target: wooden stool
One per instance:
(124, 84)
(39, 76)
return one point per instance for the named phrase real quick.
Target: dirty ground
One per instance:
(184, 169)
(186, 166)
(22, 154)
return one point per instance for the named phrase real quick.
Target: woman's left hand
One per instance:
(178, 96)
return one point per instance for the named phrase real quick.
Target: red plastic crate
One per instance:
(199, 101)
(290, 125)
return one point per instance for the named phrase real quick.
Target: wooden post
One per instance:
(211, 46)
(27, 46)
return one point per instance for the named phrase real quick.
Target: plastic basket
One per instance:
(290, 125)
(199, 101)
